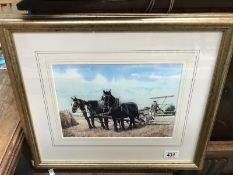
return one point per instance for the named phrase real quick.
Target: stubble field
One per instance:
(82, 130)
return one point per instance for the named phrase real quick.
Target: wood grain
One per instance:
(224, 120)
(11, 134)
(220, 147)
(8, 114)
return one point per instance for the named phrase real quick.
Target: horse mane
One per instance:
(115, 102)
(82, 105)
(93, 103)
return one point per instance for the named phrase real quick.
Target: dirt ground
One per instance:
(82, 130)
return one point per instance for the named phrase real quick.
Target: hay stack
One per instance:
(67, 120)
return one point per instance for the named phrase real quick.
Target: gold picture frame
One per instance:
(223, 23)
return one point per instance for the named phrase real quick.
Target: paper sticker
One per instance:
(171, 154)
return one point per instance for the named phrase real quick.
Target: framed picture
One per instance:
(118, 91)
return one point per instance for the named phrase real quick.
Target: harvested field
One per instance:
(82, 130)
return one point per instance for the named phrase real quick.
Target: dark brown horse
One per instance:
(93, 107)
(120, 111)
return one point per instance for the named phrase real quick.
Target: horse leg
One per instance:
(122, 123)
(88, 122)
(130, 122)
(119, 123)
(115, 125)
(133, 121)
(106, 123)
(93, 121)
(101, 122)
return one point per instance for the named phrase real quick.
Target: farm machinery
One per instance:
(159, 112)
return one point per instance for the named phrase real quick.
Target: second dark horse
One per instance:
(92, 106)
(120, 111)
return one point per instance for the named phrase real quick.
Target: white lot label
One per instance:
(51, 172)
(171, 154)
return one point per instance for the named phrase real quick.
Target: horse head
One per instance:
(77, 103)
(108, 99)
(107, 92)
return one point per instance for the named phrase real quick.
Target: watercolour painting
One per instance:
(117, 100)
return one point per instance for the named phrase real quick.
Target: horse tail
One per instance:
(137, 115)
(136, 111)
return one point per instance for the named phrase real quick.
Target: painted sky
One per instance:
(129, 82)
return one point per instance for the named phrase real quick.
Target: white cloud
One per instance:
(154, 76)
(174, 76)
(135, 75)
(72, 83)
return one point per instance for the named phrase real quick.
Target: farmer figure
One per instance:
(154, 108)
